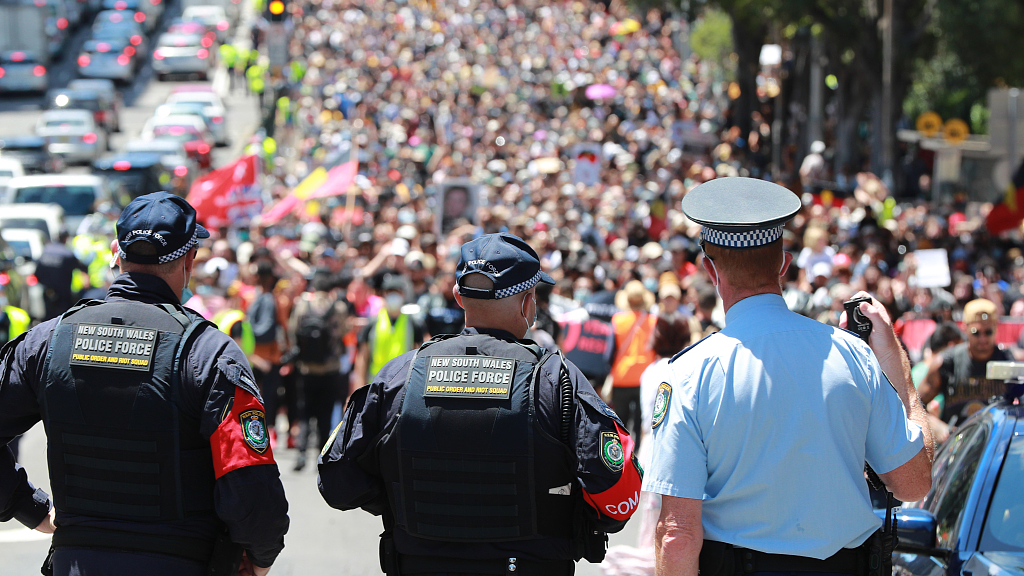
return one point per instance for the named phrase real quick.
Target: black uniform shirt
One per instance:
(350, 475)
(249, 497)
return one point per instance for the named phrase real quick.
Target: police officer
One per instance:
(762, 430)
(959, 372)
(157, 440)
(484, 453)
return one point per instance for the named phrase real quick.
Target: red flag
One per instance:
(228, 195)
(1009, 213)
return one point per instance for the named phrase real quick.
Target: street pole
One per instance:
(1011, 148)
(886, 120)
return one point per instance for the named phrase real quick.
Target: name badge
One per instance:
(469, 377)
(111, 346)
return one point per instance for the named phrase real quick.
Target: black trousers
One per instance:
(317, 395)
(626, 403)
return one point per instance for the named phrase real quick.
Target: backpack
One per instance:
(313, 336)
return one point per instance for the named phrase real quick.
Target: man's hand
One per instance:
(47, 526)
(247, 568)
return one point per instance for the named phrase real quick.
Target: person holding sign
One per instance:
(159, 457)
(483, 452)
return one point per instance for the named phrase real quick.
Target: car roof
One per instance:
(24, 141)
(178, 120)
(192, 88)
(202, 9)
(9, 161)
(24, 234)
(74, 94)
(98, 84)
(56, 180)
(155, 145)
(135, 160)
(184, 36)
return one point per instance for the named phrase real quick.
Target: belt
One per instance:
(846, 561)
(412, 564)
(194, 549)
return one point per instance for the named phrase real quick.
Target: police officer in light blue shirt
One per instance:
(762, 430)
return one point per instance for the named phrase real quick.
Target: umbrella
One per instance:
(599, 91)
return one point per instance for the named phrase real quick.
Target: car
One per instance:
(972, 520)
(76, 194)
(22, 71)
(175, 160)
(110, 94)
(9, 168)
(47, 218)
(129, 30)
(183, 54)
(179, 26)
(114, 59)
(33, 153)
(84, 98)
(213, 107)
(27, 243)
(118, 16)
(189, 129)
(73, 134)
(135, 174)
(12, 281)
(213, 16)
(151, 9)
(215, 124)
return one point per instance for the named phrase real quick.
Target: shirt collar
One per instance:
(141, 287)
(496, 332)
(762, 302)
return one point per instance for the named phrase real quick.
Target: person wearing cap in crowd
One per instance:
(498, 456)
(633, 327)
(388, 335)
(761, 430)
(959, 372)
(137, 383)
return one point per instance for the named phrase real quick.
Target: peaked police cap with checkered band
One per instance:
(165, 221)
(513, 266)
(740, 213)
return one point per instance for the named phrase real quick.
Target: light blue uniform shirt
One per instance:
(770, 422)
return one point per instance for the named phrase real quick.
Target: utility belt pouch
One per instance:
(595, 544)
(226, 556)
(388, 555)
(716, 559)
(47, 568)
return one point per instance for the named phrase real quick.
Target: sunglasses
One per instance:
(988, 332)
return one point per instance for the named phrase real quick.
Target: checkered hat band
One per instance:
(173, 255)
(511, 290)
(748, 239)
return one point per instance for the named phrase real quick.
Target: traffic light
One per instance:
(276, 11)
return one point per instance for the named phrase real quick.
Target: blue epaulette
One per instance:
(687, 349)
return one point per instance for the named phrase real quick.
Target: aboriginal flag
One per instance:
(1009, 213)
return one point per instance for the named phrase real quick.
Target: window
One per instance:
(1004, 525)
(75, 200)
(953, 478)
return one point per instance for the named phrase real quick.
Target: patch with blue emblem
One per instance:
(254, 430)
(661, 399)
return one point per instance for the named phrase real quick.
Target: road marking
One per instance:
(22, 535)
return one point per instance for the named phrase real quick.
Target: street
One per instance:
(321, 541)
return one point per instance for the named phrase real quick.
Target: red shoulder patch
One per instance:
(242, 439)
(621, 500)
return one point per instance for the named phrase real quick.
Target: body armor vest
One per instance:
(118, 445)
(468, 460)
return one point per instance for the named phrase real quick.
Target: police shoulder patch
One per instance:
(254, 430)
(611, 451)
(661, 399)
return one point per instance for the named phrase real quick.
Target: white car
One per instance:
(213, 108)
(76, 194)
(9, 168)
(47, 218)
(187, 120)
(213, 16)
(72, 134)
(26, 242)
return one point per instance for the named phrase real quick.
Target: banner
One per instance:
(228, 195)
(319, 184)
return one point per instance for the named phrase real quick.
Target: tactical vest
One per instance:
(468, 460)
(966, 394)
(118, 445)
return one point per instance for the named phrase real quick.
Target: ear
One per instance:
(710, 268)
(458, 297)
(787, 259)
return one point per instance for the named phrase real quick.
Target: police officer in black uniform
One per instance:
(484, 453)
(159, 457)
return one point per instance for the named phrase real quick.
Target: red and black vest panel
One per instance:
(468, 460)
(589, 345)
(118, 445)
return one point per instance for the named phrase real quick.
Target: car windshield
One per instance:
(179, 40)
(1004, 526)
(75, 200)
(21, 248)
(136, 181)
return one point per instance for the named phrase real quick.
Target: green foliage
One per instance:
(944, 85)
(711, 38)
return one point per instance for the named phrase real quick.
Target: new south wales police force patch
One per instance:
(661, 399)
(611, 451)
(254, 430)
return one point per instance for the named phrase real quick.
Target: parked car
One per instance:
(22, 71)
(112, 59)
(215, 124)
(84, 98)
(33, 153)
(972, 520)
(111, 95)
(73, 134)
(182, 54)
(9, 168)
(76, 194)
(135, 173)
(213, 16)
